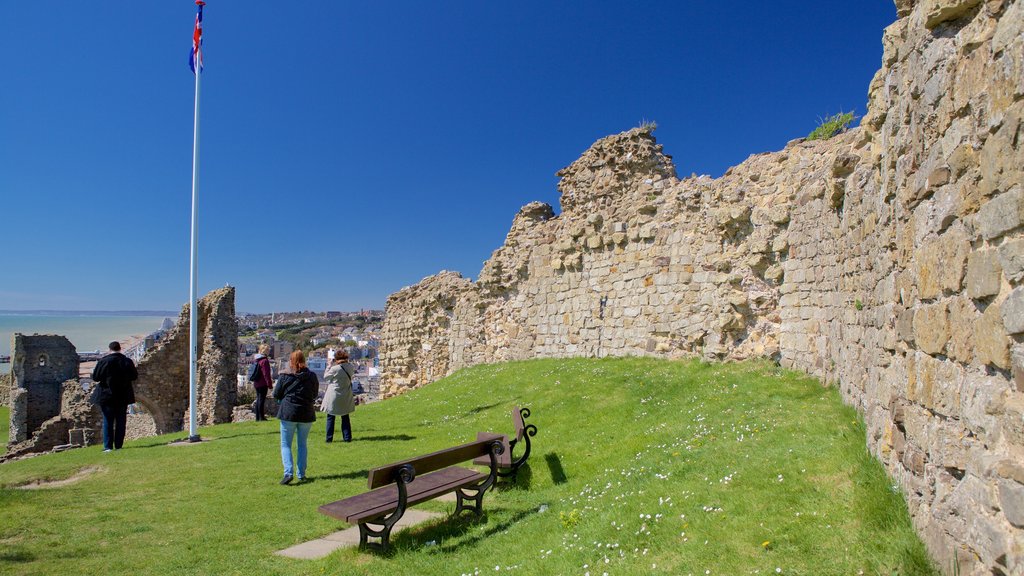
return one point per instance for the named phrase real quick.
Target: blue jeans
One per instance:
(288, 431)
(115, 419)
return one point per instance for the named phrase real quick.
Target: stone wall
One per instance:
(888, 260)
(162, 387)
(5, 389)
(77, 423)
(40, 364)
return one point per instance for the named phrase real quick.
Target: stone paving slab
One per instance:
(315, 549)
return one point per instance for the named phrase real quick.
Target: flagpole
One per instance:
(193, 433)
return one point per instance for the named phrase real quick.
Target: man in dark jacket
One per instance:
(113, 376)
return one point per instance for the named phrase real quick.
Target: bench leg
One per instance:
(478, 501)
(365, 532)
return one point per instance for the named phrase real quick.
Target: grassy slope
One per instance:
(5, 424)
(640, 466)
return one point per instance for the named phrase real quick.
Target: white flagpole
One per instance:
(193, 433)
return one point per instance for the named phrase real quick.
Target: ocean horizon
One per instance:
(86, 331)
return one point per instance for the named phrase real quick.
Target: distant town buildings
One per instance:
(317, 333)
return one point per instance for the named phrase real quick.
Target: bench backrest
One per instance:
(517, 423)
(384, 475)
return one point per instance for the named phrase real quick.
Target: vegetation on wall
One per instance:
(831, 125)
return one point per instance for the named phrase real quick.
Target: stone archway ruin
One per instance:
(50, 407)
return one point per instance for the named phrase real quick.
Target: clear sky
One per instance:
(349, 149)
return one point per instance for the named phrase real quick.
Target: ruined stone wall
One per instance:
(5, 389)
(162, 387)
(77, 423)
(40, 364)
(887, 260)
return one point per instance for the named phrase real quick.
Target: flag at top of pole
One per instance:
(197, 40)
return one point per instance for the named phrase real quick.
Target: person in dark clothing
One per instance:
(296, 394)
(113, 377)
(261, 380)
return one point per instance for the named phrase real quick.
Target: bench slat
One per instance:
(379, 502)
(385, 475)
(517, 423)
(504, 459)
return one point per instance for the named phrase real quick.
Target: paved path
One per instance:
(349, 537)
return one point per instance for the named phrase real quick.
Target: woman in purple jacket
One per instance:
(261, 380)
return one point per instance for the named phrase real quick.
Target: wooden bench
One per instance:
(508, 465)
(395, 487)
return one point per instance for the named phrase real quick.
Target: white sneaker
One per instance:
(108, 450)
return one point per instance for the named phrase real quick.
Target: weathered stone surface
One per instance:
(991, 342)
(940, 264)
(886, 259)
(40, 364)
(962, 318)
(984, 274)
(931, 328)
(940, 11)
(1011, 498)
(1011, 257)
(1013, 311)
(1002, 214)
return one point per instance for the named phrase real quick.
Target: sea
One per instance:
(88, 332)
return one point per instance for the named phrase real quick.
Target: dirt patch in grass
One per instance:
(47, 483)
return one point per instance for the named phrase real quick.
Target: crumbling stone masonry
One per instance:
(5, 389)
(888, 260)
(162, 387)
(49, 407)
(39, 367)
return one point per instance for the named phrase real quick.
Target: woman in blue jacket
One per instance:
(296, 395)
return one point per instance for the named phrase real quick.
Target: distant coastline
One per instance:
(171, 313)
(87, 330)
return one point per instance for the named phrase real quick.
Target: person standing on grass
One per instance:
(261, 380)
(113, 375)
(338, 399)
(296, 394)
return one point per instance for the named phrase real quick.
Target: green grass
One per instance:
(831, 125)
(5, 424)
(640, 466)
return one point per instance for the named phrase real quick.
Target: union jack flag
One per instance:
(197, 40)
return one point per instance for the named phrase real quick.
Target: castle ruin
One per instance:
(50, 407)
(888, 260)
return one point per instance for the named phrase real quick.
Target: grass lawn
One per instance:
(5, 424)
(640, 466)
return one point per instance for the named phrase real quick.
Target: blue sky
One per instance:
(350, 149)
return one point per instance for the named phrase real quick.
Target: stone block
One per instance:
(939, 11)
(1013, 311)
(905, 326)
(992, 345)
(940, 264)
(931, 328)
(962, 318)
(1011, 499)
(1002, 214)
(1011, 258)
(984, 274)
(935, 384)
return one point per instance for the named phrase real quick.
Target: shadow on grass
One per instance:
(345, 476)
(456, 527)
(521, 480)
(17, 555)
(555, 466)
(479, 409)
(383, 438)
